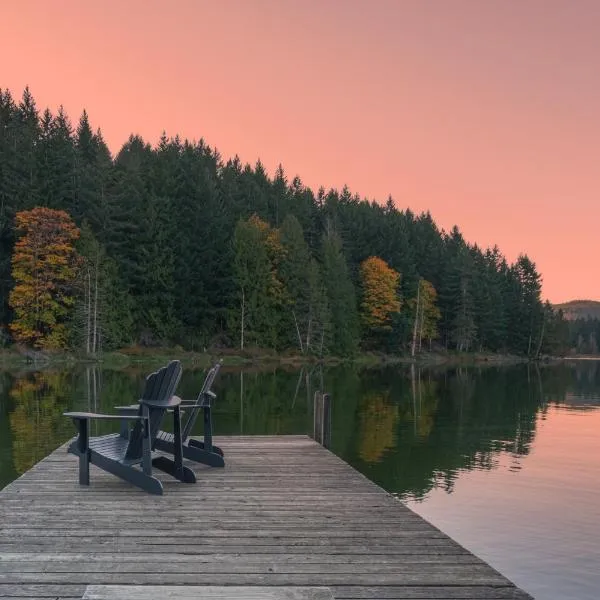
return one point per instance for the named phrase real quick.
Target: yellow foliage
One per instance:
(379, 293)
(37, 423)
(275, 251)
(378, 427)
(44, 265)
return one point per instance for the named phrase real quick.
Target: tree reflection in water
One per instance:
(408, 429)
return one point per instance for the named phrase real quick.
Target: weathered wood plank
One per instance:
(363, 552)
(284, 512)
(223, 560)
(414, 577)
(173, 567)
(114, 592)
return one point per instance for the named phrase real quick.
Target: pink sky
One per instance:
(485, 113)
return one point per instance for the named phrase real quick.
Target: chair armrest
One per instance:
(205, 402)
(126, 408)
(170, 403)
(83, 416)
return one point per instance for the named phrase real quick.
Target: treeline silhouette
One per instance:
(159, 228)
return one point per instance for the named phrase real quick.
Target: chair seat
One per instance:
(165, 436)
(111, 446)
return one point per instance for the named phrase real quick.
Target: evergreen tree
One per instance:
(305, 315)
(163, 219)
(341, 298)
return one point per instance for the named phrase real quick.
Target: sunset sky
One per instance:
(486, 113)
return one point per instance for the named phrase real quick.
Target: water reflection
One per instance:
(410, 430)
(502, 459)
(414, 431)
(36, 421)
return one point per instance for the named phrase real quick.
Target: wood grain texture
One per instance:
(283, 516)
(143, 592)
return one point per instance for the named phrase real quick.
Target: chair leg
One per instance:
(177, 445)
(166, 465)
(146, 450)
(200, 455)
(130, 474)
(83, 451)
(200, 444)
(207, 430)
(193, 450)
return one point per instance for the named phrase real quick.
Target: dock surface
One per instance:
(285, 518)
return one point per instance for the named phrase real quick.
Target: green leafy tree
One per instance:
(260, 292)
(305, 315)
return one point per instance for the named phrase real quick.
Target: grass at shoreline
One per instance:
(137, 356)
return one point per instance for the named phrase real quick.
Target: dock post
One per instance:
(322, 419)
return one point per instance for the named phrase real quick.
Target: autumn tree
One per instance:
(44, 267)
(164, 218)
(380, 299)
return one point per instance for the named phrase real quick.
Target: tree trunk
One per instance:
(539, 348)
(298, 332)
(422, 322)
(414, 340)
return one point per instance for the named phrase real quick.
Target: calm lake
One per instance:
(504, 460)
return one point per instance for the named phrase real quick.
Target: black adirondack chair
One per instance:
(203, 452)
(122, 455)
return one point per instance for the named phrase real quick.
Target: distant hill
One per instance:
(580, 309)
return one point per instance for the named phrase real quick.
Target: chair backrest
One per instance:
(158, 391)
(203, 398)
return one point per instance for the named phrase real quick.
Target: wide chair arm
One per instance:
(82, 420)
(205, 402)
(132, 408)
(84, 416)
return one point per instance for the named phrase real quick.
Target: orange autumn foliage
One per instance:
(379, 293)
(44, 266)
(378, 427)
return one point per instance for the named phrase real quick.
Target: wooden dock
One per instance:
(285, 519)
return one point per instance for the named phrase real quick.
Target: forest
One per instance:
(174, 245)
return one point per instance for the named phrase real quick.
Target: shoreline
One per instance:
(128, 357)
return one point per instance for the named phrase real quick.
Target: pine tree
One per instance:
(341, 298)
(165, 218)
(305, 315)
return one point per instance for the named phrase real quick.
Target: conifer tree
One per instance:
(341, 298)
(164, 218)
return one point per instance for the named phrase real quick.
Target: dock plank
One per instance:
(285, 515)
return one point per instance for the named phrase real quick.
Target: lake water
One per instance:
(504, 460)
